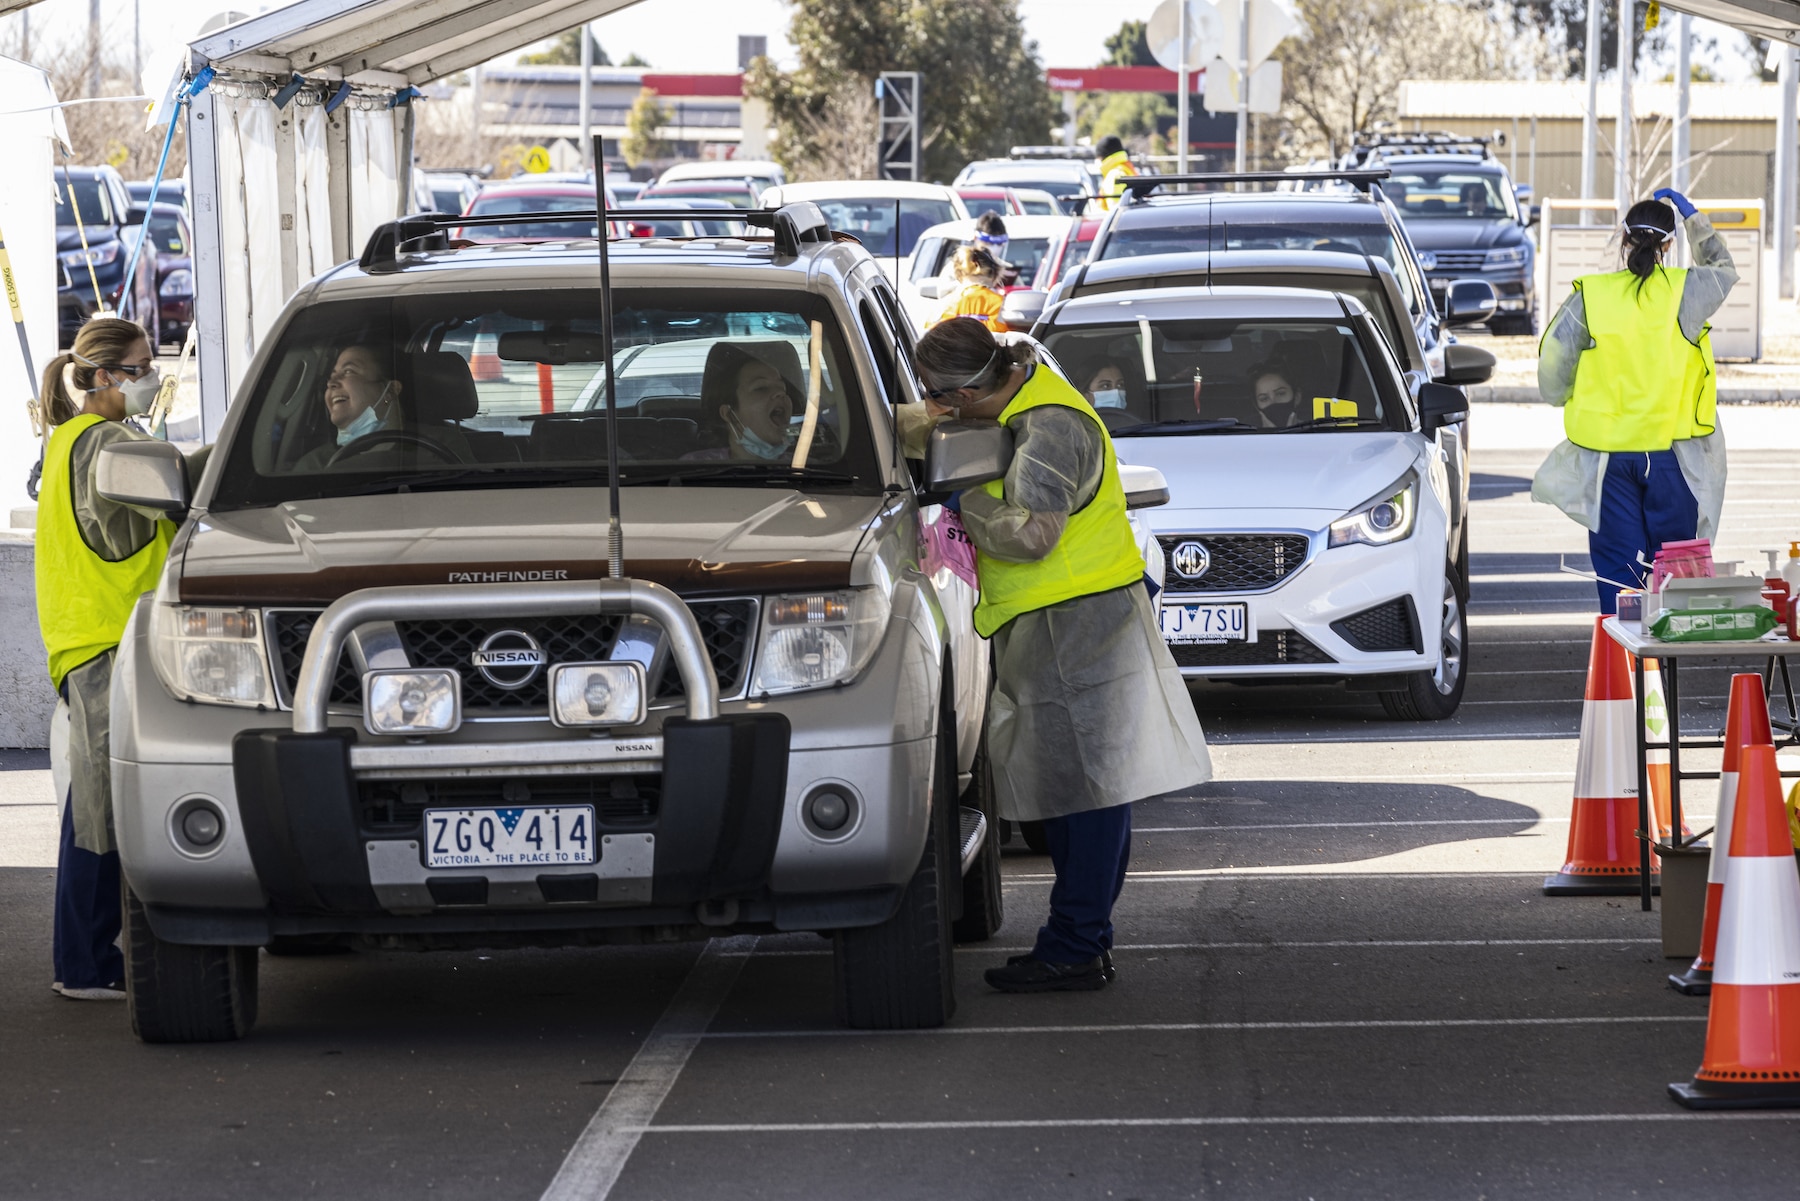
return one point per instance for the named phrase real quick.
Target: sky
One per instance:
(673, 35)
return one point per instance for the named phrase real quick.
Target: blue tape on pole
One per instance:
(338, 97)
(405, 96)
(288, 91)
(192, 88)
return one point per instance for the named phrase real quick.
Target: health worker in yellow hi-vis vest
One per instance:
(977, 293)
(1088, 712)
(95, 557)
(1629, 361)
(1115, 166)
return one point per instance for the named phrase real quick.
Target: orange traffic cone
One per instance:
(1752, 1058)
(484, 357)
(1603, 844)
(1746, 724)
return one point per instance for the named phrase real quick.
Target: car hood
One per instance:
(1227, 476)
(69, 238)
(1464, 233)
(699, 541)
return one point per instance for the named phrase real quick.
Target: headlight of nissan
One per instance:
(1387, 518)
(815, 640)
(1505, 256)
(214, 655)
(412, 701)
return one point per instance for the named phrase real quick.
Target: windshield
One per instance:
(166, 235)
(516, 202)
(1436, 194)
(737, 195)
(92, 200)
(447, 200)
(871, 220)
(1008, 175)
(506, 389)
(1183, 376)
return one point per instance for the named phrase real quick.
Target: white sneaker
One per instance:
(107, 992)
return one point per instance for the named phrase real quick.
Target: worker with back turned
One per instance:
(1629, 361)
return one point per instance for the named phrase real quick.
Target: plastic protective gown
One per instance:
(1088, 710)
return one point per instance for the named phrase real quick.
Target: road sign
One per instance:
(1222, 88)
(564, 156)
(537, 161)
(1270, 22)
(1205, 33)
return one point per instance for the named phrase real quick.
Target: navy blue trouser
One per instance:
(1644, 502)
(1090, 852)
(85, 949)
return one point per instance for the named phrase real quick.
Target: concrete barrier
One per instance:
(26, 698)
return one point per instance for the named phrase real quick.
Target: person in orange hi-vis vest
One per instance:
(978, 294)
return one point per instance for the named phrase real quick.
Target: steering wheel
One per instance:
(383, 437)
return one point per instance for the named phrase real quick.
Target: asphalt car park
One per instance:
(1338, 977)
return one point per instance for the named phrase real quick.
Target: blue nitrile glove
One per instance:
(954, 504)
(1682, 204)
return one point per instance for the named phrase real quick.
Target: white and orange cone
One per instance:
(1746, 724)
(1752, 1057)
(1603, 845)
(1656, 762)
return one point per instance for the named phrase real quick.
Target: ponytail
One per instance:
(54, 401)
(1648, 225)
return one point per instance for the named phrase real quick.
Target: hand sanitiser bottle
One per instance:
(1791, 572)
(1776, 589)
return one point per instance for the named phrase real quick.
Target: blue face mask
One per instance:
(1109, 398)
(757, 446)
(364, 423)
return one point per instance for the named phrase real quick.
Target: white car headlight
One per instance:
(410, 701)
(99, 256)
(180, 282)
(214, 655)
(1505, 256)
(1389, 517)
(597, 694)
(814, 640)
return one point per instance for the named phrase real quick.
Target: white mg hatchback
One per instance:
(1307, 529)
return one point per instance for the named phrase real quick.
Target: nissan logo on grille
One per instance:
(509, 658)
(1191, 560)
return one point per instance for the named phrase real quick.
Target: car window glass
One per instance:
(92, 198)
(502, 205)
(898, 323)
(361, 393)
(1366, 289)
(1264, 374)
(924, 264)
(871, 221)
(1433, 195)
(166, 235)
(881, 343)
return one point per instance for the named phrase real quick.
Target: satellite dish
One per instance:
(1205, 34)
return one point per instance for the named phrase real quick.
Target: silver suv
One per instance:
(386, 692)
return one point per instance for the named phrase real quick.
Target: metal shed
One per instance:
(300, 144)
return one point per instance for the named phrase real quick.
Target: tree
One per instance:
(634, 59)
(565, 51)
(643, 141)
(1346, 76)
(983, 85)
(1134, 117)
(1563, 25)
(1130, 46)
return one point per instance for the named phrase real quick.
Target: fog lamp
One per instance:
(407, 701)
(597, 694)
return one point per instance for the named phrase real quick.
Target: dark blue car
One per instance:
(96, 230)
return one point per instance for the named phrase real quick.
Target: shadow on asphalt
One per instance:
(1492, 487)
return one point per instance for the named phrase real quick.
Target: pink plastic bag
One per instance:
(1689, 559)
(945, 543)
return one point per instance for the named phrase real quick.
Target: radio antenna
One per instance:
(615, 538)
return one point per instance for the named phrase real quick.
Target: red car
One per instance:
(1067, 252)
(979, 200)
(524, 196)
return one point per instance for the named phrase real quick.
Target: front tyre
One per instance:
(1434, 695)
(983, 905)
(900, 975)
(185, 994)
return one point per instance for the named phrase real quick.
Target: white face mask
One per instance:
(1109, 398)
(756, 445)
(140, 393)
(365, 422)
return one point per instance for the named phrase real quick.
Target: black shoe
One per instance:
(1022, 973)
(1106, 964)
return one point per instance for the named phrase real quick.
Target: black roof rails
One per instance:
(794, 225)
(1137, 185)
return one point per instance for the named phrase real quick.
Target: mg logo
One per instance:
(1191, 560)
(508, 658)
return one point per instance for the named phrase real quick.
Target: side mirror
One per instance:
(1470, 302)
(1441, 405)
(1145, 487)
(1522, 192)
(963, 454)
(1466, 364)
(137, 214)
(1533, 214)
(931, 289)
(1021, 308)
(145, 475)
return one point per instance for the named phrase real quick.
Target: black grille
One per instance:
(725, 626)
(1271, 647)
(1389, 627)
(1460, 260)
(1238, 562)
(392, 807)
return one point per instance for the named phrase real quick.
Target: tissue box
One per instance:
(1714, 592)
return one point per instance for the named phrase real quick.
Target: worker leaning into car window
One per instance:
(978, 292)
(94, 559)
(1115, 166)
(1089, 712)
(1629, 361)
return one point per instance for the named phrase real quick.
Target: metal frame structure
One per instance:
(900, 95)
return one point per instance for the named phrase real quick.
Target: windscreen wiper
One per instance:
(1211, 425)
(747, 473)
(1319, 423)
(425, 481)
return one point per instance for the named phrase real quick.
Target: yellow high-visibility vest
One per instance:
(978, 301)
(1096, 552)
(1113, 168)
(1641, 385)
(83, 600)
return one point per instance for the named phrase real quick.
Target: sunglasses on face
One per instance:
(134, 371)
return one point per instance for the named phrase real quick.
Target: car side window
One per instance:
(925, 259)
(900, 325)
(881, 345)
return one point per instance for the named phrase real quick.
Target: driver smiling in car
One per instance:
(360, 399)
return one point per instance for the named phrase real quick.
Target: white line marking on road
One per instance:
(1453, 821)
(1212, 1027)
(1342, 944)
(593, 1164)
(1385, 1119)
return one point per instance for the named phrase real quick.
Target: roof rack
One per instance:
(1065, 152)
(1367, 143)
(1136, 186)
(794, 226)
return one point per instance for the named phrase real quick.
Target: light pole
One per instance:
(1243, 107)
(1590, 120)
(1624, 130)
(586, 100)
